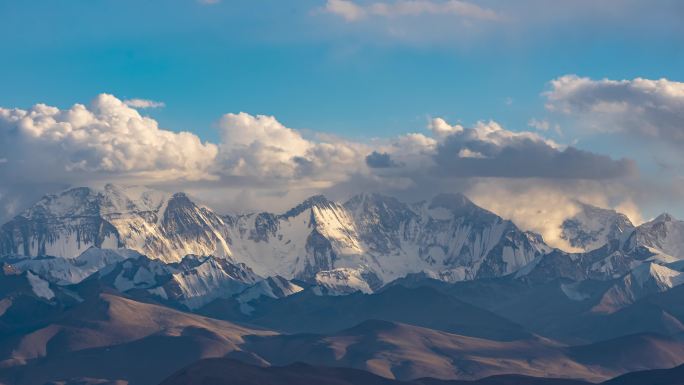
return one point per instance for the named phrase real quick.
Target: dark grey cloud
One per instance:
(380, 160)
(466, 155)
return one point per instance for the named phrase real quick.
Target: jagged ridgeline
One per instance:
(418, 286)
(370, 240)
(359, 245)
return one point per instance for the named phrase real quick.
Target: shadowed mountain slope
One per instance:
(219, 371)
(408, 352)
(309, 313)
(674, 376)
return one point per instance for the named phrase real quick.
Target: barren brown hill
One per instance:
(421, 306)
(674, 376)
(218, 371)
(111, 338)
(407, 352)
(114, 338)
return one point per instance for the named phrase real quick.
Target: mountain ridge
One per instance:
(448, 235)
(359, 245)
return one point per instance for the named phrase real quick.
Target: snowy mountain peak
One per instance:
(370, 240)
(663, 236)
(75, 201)
(182, 215)
(271, 287)
(181, 197)
(311, 202)
(593, 227)
(645, 279)
(152, 222)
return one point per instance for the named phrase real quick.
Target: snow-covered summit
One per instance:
(593, 227)
(154, 223)
(662, 235)
(372, 236)
(316, 201)
(647, 278)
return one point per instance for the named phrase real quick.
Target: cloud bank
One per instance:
(106, 138)
(488, 150)
(643, 108)
(462, 23)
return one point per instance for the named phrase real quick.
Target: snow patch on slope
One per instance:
(63, 271)
(647, 278)
(341, 281)
(212, 278)
(271, 287)
(40, 286)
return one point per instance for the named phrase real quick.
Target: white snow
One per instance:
(209, 281)
(135, 212)
(342, 281)
(265, 288)
(663, 235)
(664, 277)
(428, 239)
(322, 237)
(596, 226)
(647, 278)
(158, 291)
(64, 271)
(40, 286)
(573, 292)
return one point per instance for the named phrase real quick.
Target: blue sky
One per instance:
(311, 69)
(442, 92)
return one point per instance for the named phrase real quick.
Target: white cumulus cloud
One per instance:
(262, 147)
(645, 108)
(107, 138)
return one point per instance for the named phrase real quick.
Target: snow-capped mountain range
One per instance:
(371, 236)
(179, 250)
(163, 226)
